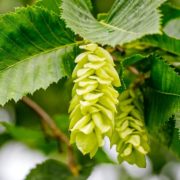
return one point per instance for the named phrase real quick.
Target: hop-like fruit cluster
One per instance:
(93, 105)
(130, 135)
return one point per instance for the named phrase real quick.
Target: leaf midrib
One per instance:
(44, 52)
(116, 28)
(167, 93)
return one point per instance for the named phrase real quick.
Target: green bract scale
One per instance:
(93, 105)
(130, 135)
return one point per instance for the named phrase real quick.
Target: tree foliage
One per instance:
(135, 41)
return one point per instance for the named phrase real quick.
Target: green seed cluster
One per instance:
(93, 105)
(130, 135)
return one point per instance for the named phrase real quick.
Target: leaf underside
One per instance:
(127, 20)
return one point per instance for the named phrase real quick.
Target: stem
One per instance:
(120, 49)
(133, 70)
(140, 77)
(55, 130)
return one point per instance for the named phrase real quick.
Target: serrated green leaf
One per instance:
(169, 13)
(133, 59)
(175, 145)
(164, 98)
(50, 170)
(33, 43)
(126, 21)
(53, 5)
(164, 42)
(160, 107)
(164, 78)
(164, 134)
(177, 118)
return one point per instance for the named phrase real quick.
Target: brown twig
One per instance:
(134, 70)
(140, 76)
(55, 130)
(120, 49)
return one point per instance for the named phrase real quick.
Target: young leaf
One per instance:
(33, 42)
(164, 42)
(126, 21)
(133, 59)
(164, 98)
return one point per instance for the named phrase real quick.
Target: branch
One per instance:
(140, 77)
(133, 70)
(55, 130)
